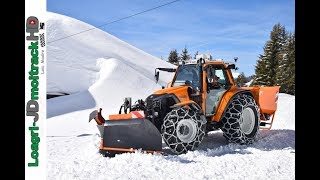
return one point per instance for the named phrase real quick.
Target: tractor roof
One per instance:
(207, 58)
(218, 61)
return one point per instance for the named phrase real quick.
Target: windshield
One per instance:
(187, 73)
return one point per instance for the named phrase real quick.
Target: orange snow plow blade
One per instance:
(267, 98)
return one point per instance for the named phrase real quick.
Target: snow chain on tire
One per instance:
(234, 116)
(172, 123)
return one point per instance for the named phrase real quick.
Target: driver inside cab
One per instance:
(213, 83)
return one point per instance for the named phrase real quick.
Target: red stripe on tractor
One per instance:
(136, 113)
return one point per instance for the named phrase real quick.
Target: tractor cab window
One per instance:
(187, 74)
(220, 78)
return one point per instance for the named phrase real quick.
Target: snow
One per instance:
(74, 63)
(285, 115)
(95, 67)
(235, 74)
(249, 83)
(99, 70)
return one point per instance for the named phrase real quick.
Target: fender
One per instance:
(226, 100)
(189, 103)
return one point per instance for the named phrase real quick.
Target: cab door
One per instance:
(217, 85)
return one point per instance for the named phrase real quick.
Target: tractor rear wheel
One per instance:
(183, 129)
(241, 120)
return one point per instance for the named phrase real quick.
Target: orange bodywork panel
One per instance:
(224, 102)
(180, 91)
(266, 97)
(120, 116)
(204, 87)
(187, 103)
(130, 115)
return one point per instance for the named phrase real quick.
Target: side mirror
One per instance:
(201, 61)
(231, 66)
(156, 76)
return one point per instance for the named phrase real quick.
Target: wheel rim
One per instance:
(247, 121)
(186, 130)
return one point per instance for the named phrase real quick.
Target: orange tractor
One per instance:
(202, 97)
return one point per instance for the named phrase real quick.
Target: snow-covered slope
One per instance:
(73, 62)
(101, 67)
(100, 70)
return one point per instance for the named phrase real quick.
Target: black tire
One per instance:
(240, 123)
(183, 130)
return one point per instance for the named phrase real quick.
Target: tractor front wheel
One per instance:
(183, 129)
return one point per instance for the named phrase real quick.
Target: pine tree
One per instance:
(261, 77)
(173, 57)
(291, 65)
(267, 65)
(241, 79)
(249, 78)
(286, 68)
(184, 54)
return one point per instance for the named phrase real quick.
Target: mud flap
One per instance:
(129, 135)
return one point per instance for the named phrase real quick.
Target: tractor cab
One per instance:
(211, 78)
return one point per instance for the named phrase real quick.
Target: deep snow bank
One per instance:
(73, 62)
(285, 114)
(98, 69)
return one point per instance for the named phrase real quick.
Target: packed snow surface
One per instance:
(99, 70)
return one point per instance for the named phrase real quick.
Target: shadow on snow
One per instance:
(66, 104)
(216, 145)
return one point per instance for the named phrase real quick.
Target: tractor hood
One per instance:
(172, 90)
(181, 92)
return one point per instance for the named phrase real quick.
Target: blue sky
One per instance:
(224, 28)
